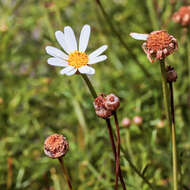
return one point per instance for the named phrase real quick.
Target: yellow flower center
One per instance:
(77, 59)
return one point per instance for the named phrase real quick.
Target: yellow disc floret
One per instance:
(77, 59)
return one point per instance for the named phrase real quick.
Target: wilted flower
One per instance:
(56, 146)
(182, 16)
(158, 45)
(105, 105)
(138, 120)
(126, 122)
(171, 74)
(76, 59)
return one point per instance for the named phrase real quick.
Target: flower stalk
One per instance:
(89, 84)
(169, 107)
(118, 150)
(173, 131)
(94, 94)
(65, 173)
(117, 34)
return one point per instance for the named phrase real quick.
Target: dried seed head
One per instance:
(126, 122)
(138, 120)
(182, 16)
(105, 105)
(112, 102)
(159, 45)
(171, 74)
(99, 105)
(56, 146)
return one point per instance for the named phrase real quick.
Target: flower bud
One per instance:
(126, 122)
(138, 120)
(112, 102)
(56, 146)
(171, 74)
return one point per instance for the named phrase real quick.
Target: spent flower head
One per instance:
(159, 44)
(182, 16)
(74, 59)
(105, 105)
(56, 146)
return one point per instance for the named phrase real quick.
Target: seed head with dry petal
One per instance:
(159, 44)
(182, 16)
(56, 146)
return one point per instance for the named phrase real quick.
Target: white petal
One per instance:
(97, 59)
(68, 71)
(56, 52)
(138, 36)
(61, 40)
(98, 51)
(87, 70)
(57, 62)
(70, 39)
(84, 38)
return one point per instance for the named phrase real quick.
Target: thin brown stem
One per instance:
(114, 150)
(94, 94)
(118, 151)
(65, 173)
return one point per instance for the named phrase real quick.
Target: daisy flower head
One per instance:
(159, 44)
(74, 59)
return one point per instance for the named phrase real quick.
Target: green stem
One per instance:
(118, 151)
(135, 169)
(165, 91)
(128, 49)
(128, 143)
(170, 123)
(174, 148)
(89, 84)
(65, 174)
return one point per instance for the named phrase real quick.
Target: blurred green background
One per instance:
(36, 101)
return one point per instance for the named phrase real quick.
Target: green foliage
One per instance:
(36, 101)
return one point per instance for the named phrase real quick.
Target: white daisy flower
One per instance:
(74, 59)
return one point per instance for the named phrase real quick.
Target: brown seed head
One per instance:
(171, 74)
(126, 122)
(138, 120)
(182, 16)
(105, 105)
(56, 146)
(99, 105)
(159, 45)
(112, 102)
